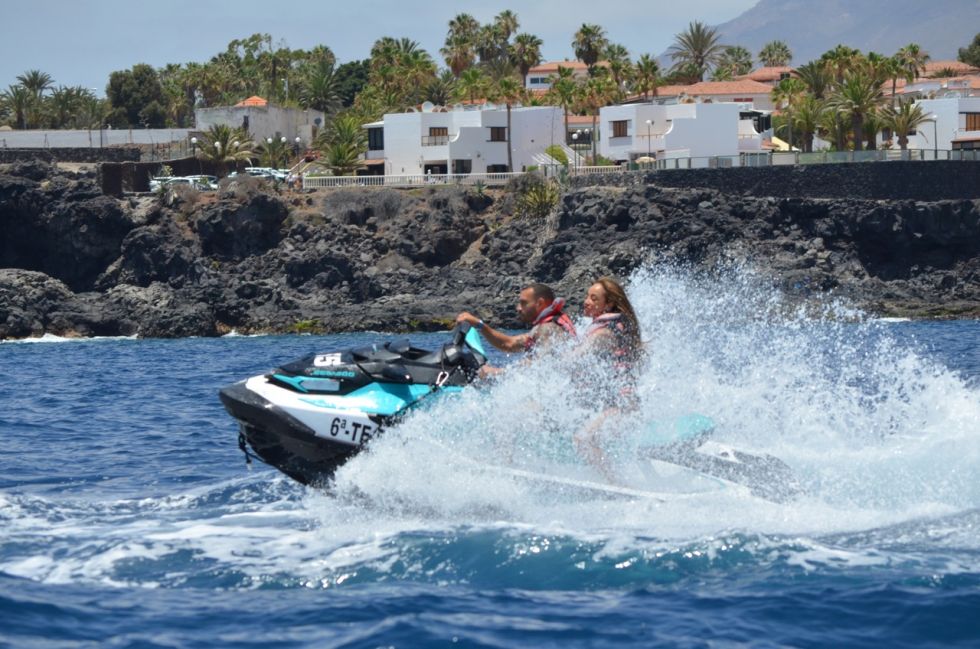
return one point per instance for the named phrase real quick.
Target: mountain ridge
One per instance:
(940, 27)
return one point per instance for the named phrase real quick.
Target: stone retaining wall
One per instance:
(895, 180)
(76, 154)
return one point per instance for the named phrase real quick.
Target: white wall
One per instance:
(37, 139)
(263, 121)
(950, 124)
(534, 129)
(700, 129)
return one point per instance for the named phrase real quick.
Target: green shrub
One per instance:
(557, 153)
(537, 199)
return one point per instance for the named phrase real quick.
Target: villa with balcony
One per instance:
(630, 132)
(539, 77)
(756, 94)
(461, 140)
(956, 124)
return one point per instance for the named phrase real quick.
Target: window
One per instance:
(376, 139)
(538, 80)
(498, 133)
(619, 128)
(462, 166)
(438, 136)
(497, 169)
(972, 121)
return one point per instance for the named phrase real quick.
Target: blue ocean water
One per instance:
(128, 517)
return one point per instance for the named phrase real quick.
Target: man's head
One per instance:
(533, 299)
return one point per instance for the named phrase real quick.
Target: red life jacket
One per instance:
(622, 356)
(552, 313)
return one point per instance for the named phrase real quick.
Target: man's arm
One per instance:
(498, 339)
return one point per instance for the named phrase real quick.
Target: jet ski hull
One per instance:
(281, 440)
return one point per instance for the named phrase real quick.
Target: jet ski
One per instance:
(308, 417)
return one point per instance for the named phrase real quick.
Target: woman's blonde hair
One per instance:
(616, 297)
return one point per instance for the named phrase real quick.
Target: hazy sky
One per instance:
(80, 42)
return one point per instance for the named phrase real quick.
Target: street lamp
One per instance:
(575, 149)
(649, 124)
(194, 146)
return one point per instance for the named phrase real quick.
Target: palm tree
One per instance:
(64, 105)
(912, 58)
(507, 23)
(903, 119)
(563, 92)
(697, 46)
(273, 152)
(342, 144)
(589, 43)
(509, 91)
(775, 54)
(459, 53)
(817, 78)
(472, 84)
(222, 144)
(525, 53)
(464, 25)
(321, 89)
(807, 117)
(873, 123)
(646, 75)
(857, 96)
(36, 83)
(441, 90)
(595, 94)
(839, 60)
(620, 66)
(736, 60)
(786, 94)
(18, 100)
(460, 48)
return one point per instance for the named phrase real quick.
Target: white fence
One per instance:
(762, 159)
(408, 180)
(787, 158)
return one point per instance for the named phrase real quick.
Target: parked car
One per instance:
(200, 182)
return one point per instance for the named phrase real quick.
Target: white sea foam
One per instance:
(51, 338)
(883, 440)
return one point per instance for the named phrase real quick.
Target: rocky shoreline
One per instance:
(74, 262)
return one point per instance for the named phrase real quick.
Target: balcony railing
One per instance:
(435, 140)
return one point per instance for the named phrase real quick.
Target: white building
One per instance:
(263, 120)
(744, 91)
(695, 130)
(539, 77)
(957, 120)
(462, 140)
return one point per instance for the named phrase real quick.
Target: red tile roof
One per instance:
(254, 100)
(932, 67)
(552, 66)
(743, 87)
(766, 74)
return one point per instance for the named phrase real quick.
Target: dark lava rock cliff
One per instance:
(75, 262)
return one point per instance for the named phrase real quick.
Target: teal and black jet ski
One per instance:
(310, 416)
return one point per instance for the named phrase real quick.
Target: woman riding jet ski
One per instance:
(310, 416)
